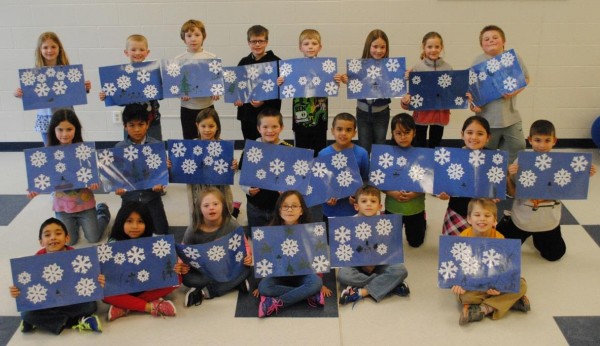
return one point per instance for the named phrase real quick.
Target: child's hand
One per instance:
(280, 80)
(407, 73)
(120, 192)
(215, 97)
(102, 96)
(255, 293)
(343, 78)
(592, 170)
(332, 201)
(248, 261)
(101, 280)
(474, 108)
(326, 291)
(238, 103)
(469, 97)
(405, 101)
(253, 191)
(94, 186)
(444, 196)
(169, 164)
(458, 290)
(256, 104)
(234, 165)
(158, 188)
(18, 93)
(14, 291)
(339, 78)
(513, 169)
(352, 200)
(185, 98)
(32, 194)
(181, 268)
(493, 292)
(88, 86)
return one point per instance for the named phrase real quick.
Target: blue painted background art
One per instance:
(393, 168)
(131, 83)
(304, 77)
(438, 90)
(201, 162)
(255, 82)
(376, 78)
(193, 78)
(52, 87)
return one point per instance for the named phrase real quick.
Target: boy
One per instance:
(534, 217)
(258, 40)
(482, 215)
(135, 121)
(53, 237)
(376, 281)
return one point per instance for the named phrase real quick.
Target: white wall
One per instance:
(559, 41)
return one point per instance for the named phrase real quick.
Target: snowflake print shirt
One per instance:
(432, 117)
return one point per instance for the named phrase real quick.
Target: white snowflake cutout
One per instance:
(85, 287)
(328, 66)
(264, 268)
(320, 264)
(441, 156)
(161, 248)
(289, 247)
(384, 227)
(52, 273)
(38, 159)
(416, 101)
(377, 177)
(455, 171)
(527, 178)
(344, 179)
(444, 81)
(339, 161)
(362, 231)
(215, 253)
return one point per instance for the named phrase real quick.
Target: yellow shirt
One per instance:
(493, 233)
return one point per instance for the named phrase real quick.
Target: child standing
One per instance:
(482, 216)
(376, 281)
(53, 237)
(537, 218)
(410, 204)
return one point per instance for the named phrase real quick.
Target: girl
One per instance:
(134, 221)
(211, 223)
(76, 208)
(277, 292)
(410, 204)
(476, 134)
(49, 52)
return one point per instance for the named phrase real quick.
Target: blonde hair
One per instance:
(136, 38)
(431, 34)
(61, 59)
(485, 203)
(309, 34)
(372, 36)
(198, 218)
(190, 25)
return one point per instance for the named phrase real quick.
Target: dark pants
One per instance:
(414, 228)
(188, 122)
(56, 319)
(249, 129)
(216, 289)
(550, 244)
(314, 140)
(435, 136)
(155, 205)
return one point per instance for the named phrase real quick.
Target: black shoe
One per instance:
(402, 290)
(193, 296)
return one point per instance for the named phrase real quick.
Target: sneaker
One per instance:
(268, 306)
(236, 209)
(350, 294)
(115, 312)
(522, 305)
(206, 293)
(91, 323)
(102, 209)
(401, 290)
(318, 300)
(26, 327)
(193, 296)
(161, 307)
(470, 313)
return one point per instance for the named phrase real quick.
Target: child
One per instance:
(482, 216)
(76, 208)
(193, 34)
(376, 281)
(502, 114)
(536, 217)
(258, 40)
(476, 134)
(49, 52)
(134, 221)
(211, 223)
(135, 121)
(410, 204)
(53, 237)
(279, 292)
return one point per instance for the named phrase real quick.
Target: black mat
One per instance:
(594, 232)
(178, 232)
(579, 330)
(8, 326)
(247, 305)
(11, 207)
(567, 218)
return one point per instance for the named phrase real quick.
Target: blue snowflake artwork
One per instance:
(366, 240)
(61, 167)
(290, 250)
(52, 87)
(193, 78)
(376, 78)
(332, 176)
(201, 162)
(136, 167)
(470, 173)
(131, 83)
(477, 264)
(275, 167)
(495, 77)
(393, 168)
(57, 279)
(553, 175)
(138, 265)
(433, 90)
(255, 82)
(306, 77)
(221, 260)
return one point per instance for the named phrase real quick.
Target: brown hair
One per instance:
(431, 34)
(344, 116)
(190, 25)
(372, 36)
(198, 218)
(210, 113)
(367, 190)
(258, 30)
(543, 128)
(278, 221)
(269, 112)
(491, 28)
(61, 59)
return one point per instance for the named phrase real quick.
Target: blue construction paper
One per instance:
(433, 90)
(275, 167)
(376, 78)
(56, 279)
(334, 175)
(221, 260)
(131, 83)
(497, 76)
(255, 82)
(308, 77)
(553, 175)
(201, 162)
(61, 167)
(138, 265)
(366, 240)
(193, 78)
(52, 87)
(136, 167)
(477, 264)
(393, 168)
(290, 250)
(470, 173)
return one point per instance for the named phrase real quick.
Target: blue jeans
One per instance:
(379, 283)
(291, 289)
(56, 319)
(372, 127)
(92, 223)
(509, 138)
(195, 278)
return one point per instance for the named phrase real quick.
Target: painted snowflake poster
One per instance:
(376, 78)
(275, 167)
(138, 265)
(290, 250)
(52, 87)
(332, 176)
(193, 78)
(131, 83)
(201, 162)
(255, 82)
(393, 168)
(477, 264)
(470, 173)
(56, 279)
(308, 77)
(366, 240)
(553, 175)
(136, 167)
(221, 260)
(61, 167)
(492, 79)
(433, 90)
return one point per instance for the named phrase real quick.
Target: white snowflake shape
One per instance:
(491, 258)
(470, 266)
(252, 72)
(52, 273)
(444, 81)
(215, 66)
(264, 268)
(382, 249)
(510, 84)
(229, 76)
(261, 174)
(41, 78)
(507, 59)
(289, 91)
(386, 160)
(104, 253)
(416, 80)
(355, 86)
(459, 101)
(36, 293)
(85, 287)
(174, 89)
(109, 89)
(84, 175)
(119, 258)
(150, 91)
(344, 252)
(416, 173)
(216, 253)
(562, 177)
(285, 69)
(195, 264)
(178, 149)
(129, 68)
(60, 75)
(495, 175)
(342, 235)
(239, 256)
(319, 230)
(497, 159)
(153, 161)
(316, 80)
(143, 276)
(242, 85)
(24, 278)
(472, 77)
(527, 178)
(161, 248)
(300, 167)
(60, 167)
(254, 155)
(188, 166)
(442, 156)
(59, 155)
(135, 255)
(455, 171)
(268, 69)
(461, 251)
(289, 247)
(130, 153)
(384, 227)
(83, 152)
(81, 264)
(320, 264)
(50, 72)
(277, 166)
(147, 150)
(197, 150)
(191, 253)
(302, 80)
(290, 180)
(143, 76)
(373, 72)
(344, 179)
(217, 89)
(38, 159)
(493, 65)
(476, 158)
(328, 66)
(331, 88)
(258, 235)
(214, 149)
(59, 87)
(543, 162)
(319, 170)
(377, 177)
(309, 190)
(234, 242)
(397, 85)
(401, 161)
(73, 75)
(41, 89)
(362, 231)
(579, 163)
(28, 78)
(392, 65)
(173, 69)
(268, 85)
(354, 65)
(339, 161)
(41, 182)
(416, 101)
(124, 82)
(482, 76)
(221, 166)
(448, 270)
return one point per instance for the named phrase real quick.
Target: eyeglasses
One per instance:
(403, 134)
(255, 42)
(288, 207)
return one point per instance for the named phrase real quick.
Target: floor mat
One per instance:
(594, 232)
(579, 330)
(8, 326)
(11, 207)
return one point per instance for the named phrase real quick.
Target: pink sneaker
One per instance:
(115, 312)
(162, 307)
(317, 300)
(268, 305)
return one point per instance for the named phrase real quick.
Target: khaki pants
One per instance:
(501, 303)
